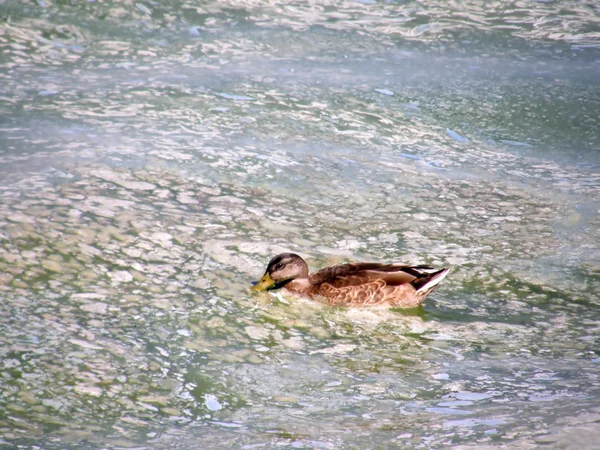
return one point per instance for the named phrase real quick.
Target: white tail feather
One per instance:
(433, 282)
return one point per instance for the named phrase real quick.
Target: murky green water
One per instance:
(155, 155)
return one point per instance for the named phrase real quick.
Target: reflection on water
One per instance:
(153, 157)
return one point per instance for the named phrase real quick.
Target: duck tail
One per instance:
(427, 282)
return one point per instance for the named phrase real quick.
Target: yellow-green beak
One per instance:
(265, 283)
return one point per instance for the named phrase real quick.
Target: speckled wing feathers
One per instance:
(365, 272)
(369, 294)
(368, 284)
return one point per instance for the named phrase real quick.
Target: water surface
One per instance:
(153, 157)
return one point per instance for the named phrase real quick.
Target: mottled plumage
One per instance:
(357, 284)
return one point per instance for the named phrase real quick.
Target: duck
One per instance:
(352, 284)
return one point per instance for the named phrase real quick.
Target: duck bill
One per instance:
(265, 283)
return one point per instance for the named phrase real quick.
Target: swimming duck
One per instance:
(355, 284)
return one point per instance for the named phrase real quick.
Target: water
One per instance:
(153, 157)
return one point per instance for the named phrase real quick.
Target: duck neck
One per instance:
(300, 286)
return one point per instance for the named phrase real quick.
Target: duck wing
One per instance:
(373, 283)
(365, 294)
(345, 275)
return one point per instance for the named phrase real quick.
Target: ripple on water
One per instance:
(146, 181)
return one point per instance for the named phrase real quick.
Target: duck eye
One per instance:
(278, 266)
